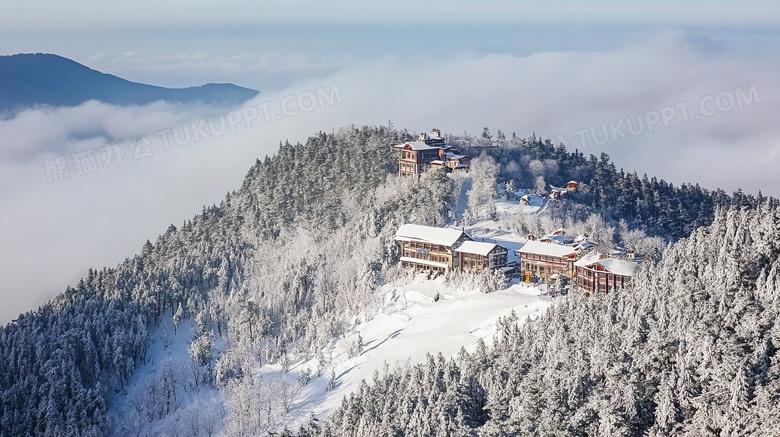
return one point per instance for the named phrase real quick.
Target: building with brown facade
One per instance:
(546, 259)
(428, 248)
(595, 273)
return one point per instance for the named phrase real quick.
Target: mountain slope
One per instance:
(274, 275)
(31, 79)
(690, 350)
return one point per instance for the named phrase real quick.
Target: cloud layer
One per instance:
(51, 232)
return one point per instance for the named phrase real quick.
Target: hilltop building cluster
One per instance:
(429, 151)
(557, 254)
(433, 249)
(428, 248)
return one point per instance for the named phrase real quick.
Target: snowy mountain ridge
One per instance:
(292, 272)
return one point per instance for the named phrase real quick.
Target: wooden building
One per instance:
(456, 162)
(429, 151)
(478, 256)
(546, 259)
(427, 248)
(416, 157)
(594, 273)
(557, 192)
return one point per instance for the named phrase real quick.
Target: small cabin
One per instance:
(557, 192)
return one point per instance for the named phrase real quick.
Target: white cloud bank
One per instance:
(50, 233)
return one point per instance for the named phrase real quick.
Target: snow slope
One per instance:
(412, 325)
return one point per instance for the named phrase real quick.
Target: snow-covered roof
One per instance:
(415, 145)
(584, 245)
(548, 249)
(428, 234)
(559, 239)
(588, 259)
(617, 251)
(476, 247)
(437, 161)
(619, 266)
(612, 265)
(451, 155)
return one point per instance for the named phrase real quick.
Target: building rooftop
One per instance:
(588, 259)
(611, 265)
(415, 145)
(548, 249)
(476, 247)
(619, 266)
(428, 234)
(559, 239)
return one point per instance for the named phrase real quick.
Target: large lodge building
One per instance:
(439, 249)
(546, 259)
(429, 151)
(591, 272)
(597, 274)
(425, 248)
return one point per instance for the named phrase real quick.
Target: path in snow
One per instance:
(463, 198)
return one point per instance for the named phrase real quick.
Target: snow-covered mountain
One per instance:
(280, 300)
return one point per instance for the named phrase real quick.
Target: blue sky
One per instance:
(561, 71)
(270, 45)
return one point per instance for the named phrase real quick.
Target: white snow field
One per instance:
(409, 325)
(412, 325)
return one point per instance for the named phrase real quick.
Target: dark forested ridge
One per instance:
(45, 79)
(690, 350)
(279, 264)
(656, 206)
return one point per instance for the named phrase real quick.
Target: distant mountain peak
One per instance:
(30, 79)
